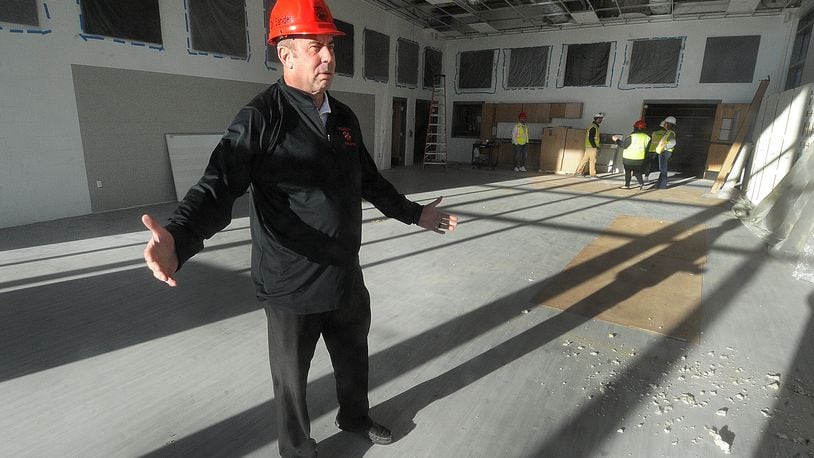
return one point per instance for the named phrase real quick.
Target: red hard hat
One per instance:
(300, 17)
(640, 124)
(522, 115)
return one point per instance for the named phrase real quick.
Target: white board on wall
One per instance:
(189, 154)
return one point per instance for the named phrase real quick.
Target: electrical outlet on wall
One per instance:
(98, 183)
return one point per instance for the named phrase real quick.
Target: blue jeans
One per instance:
(664, 158)
(520, 153)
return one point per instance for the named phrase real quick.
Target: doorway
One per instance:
(397, 139)
(422, 119)
(694, 122)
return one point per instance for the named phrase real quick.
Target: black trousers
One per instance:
(292, 341)
(633, 167)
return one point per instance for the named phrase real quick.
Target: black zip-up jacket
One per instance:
(307, 182)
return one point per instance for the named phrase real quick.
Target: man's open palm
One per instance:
(160, 251)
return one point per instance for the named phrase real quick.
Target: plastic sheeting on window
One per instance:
(587, 64)
(406, 62)
(432, 66)
(785, 217)
(475, 69)
(730, 59)
(527, 67)
(377, 56)
(19, 12)
(218, 27)
(343, 48)
(138, 21)
(654, 61)
(271, 50)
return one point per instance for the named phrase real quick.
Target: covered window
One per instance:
(218, 27)
(526, 67)
(655, 62)
(730, 59)
(476, 71)
(377, 56)
(432, 66)
(137, 21)
(802, 40)
(19, 12)
(343, 48)
(271, 51)
(406, 63)
(587, 64)
(466, 117)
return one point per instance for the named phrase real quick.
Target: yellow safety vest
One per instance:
(522, 135)
(655, 137)
(596, 136)
(638, 145)
(668, 134)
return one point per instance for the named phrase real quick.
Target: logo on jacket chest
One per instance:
(347, 137)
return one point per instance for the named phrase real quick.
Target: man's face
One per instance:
(598, 120)
(309, 62)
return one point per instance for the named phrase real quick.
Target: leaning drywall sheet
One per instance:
(189, 154)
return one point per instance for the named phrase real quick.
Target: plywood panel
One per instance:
(557, 110)
(573, 149)
(553, 142)
(573, 110)
(716, 155)
(507, 112)
(537, 112)
(487, 121)
(648, 275)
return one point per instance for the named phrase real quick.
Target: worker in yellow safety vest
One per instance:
(591, 147)
(651, 158)
(520, 143)
(635, 149)
(664, 148)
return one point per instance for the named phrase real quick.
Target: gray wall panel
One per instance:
(124, 114)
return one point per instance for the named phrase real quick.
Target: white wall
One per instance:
(624, 106)
(42, 169)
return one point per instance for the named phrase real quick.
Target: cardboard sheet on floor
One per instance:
(644, 273)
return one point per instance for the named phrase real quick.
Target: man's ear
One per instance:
(284, 54)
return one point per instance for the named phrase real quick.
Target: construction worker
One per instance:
(664, 149)
(520, 143)
(633, 155)
(301, 152)
(651, 158)
(591, 147)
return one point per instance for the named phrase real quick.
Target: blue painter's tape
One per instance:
(116, 40)
(157, 48)
(218, 57)
(47, 13)
(16, 30)
(138, 44)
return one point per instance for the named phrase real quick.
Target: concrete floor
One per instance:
(99, 360)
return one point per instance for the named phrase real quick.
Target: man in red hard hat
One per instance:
(300, 151)
(520, 143)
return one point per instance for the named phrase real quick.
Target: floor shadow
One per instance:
(94, 225)
(63, 322)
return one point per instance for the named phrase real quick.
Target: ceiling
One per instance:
(452, 19)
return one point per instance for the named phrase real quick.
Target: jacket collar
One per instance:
(297, 96)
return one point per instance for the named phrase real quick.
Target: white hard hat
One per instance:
(670, 119)
(599, 115)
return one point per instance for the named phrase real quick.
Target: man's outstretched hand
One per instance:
(160, 251)
(436, 221)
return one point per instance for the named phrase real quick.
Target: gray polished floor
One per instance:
(97, 359)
